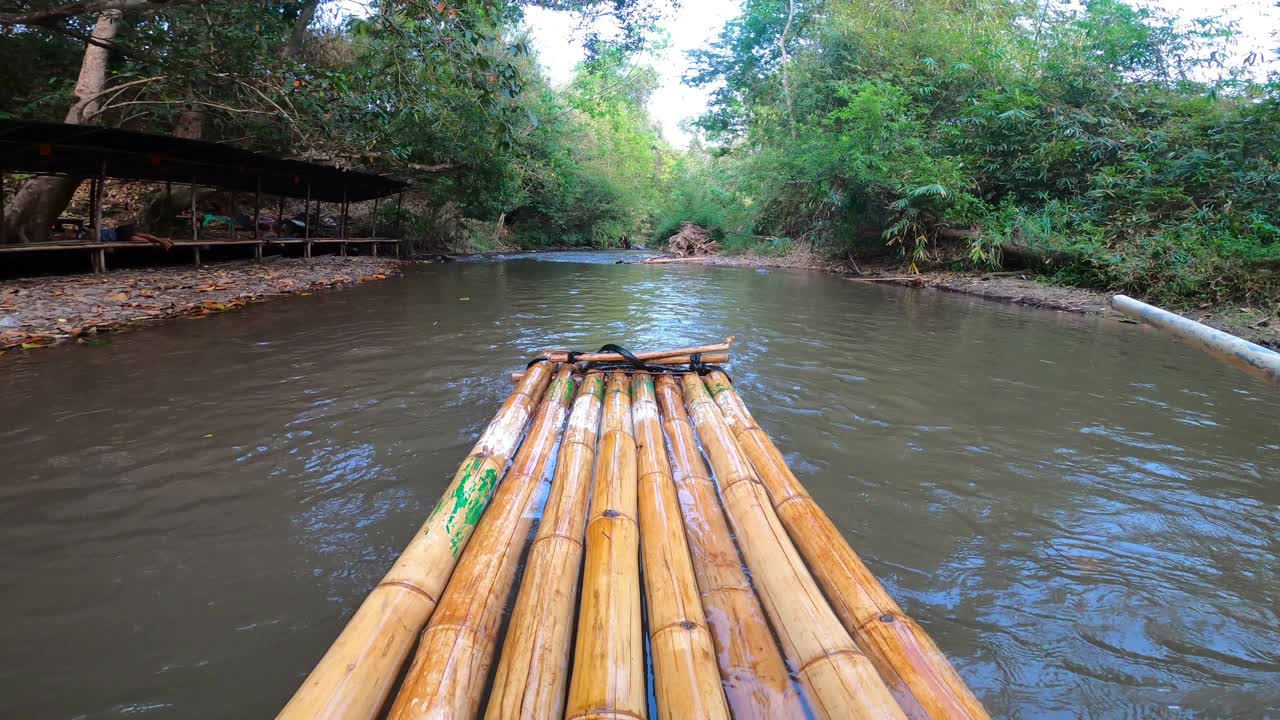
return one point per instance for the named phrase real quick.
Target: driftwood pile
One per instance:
(692, 240)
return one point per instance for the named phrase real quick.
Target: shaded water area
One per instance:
(1082, 513)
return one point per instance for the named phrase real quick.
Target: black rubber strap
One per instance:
(572, 356)
(535, 361)
(696, 365)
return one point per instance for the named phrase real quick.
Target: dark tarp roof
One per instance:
(44, 147)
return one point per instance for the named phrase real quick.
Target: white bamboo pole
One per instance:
(1235, 350)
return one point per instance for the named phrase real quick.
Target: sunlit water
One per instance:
(1082, 513)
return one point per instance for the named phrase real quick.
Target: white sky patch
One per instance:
(559, 46)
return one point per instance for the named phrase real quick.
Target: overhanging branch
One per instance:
(88, 7)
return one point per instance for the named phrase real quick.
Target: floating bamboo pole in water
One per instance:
(840, 680)
(685, 678)
(608, 678)
(534, 669)
(1237, 351)
(355, 676)
(754, 676)
(448, 674)
(917, 673)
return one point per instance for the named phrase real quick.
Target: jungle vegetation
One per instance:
(1094, 142)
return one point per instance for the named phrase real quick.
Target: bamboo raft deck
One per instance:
(673, 534)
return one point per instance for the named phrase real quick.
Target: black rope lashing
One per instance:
(535, 361)
(704, 369)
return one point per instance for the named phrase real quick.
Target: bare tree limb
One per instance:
(88, 7)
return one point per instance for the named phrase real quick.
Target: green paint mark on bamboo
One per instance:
(597, 388)
(567, 397)
(718, 388)
(648, 382)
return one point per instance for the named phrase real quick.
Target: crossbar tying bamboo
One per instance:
(447, 677)
(686, 680)
(840, 681)
(608, 679)
(354, 678)
(918, 674)
(716, 358)
(534, 669)
(651, 356)
(755, 678)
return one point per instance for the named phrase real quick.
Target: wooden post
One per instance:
(373, 220)
(95, 199)
(306, 223)
(257, 207)
(280, 226)
(196, 248)
(231, 212)
(685, 677)
(354, 678)
(755, 677)
(534, 670)
(168, 208)
(451, 667)
(399, 223)
(2, 236)
(342, 215)
(195, 222)
(840, 680)
(608, 663)
(917, 673)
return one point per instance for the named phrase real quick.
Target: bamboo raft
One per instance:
(673, 535)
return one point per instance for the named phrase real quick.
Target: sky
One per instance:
(557, 40)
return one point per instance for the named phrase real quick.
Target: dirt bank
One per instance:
(37, 312)
(1257, 325)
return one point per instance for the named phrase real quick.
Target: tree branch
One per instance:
(88, 7)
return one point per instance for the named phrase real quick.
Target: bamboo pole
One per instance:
(1237, 351)
(685, 677)
(916, 672)
(534, 668)
(563, 355)
(713, 358)
(448, 674)
(841, 682)
(608, 679)
(756, 681)
(355, 676)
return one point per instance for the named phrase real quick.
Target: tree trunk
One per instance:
(190, 124)
(299, 34)
(41, 199)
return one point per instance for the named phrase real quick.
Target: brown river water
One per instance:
(1082, 513)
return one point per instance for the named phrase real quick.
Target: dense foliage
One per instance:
(1110, 145)
(444, 92)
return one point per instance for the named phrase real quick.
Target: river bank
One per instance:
(42, 311)
(1257, 325)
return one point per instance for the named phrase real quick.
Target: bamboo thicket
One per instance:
(354, 678)
(686, 680)
(755, 677)
(447, 677)
(917, 673)
(533, 671)
(840, 681)
(608, 679)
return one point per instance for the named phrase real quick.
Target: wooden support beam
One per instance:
(195, 221)
(95, 202)
(257, 211)
(306, 218)
(373, 219)
(196, 248)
